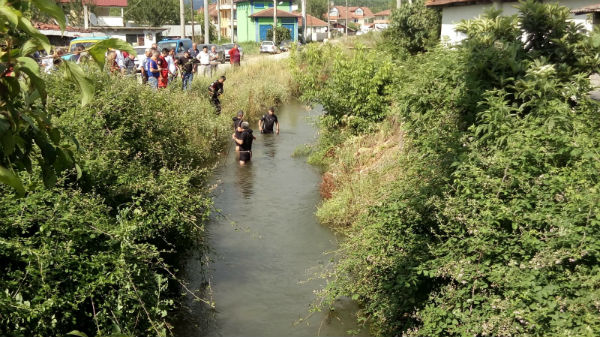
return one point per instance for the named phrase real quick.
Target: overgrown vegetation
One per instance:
(470, 204)
(100, 253)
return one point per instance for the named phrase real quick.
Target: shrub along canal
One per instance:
(267, 245)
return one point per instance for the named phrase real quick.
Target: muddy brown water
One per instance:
(267, 247)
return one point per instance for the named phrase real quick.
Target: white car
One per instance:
(268, 47)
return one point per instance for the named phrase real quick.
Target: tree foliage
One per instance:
(281, 33)
(153, 12)
(413, 28)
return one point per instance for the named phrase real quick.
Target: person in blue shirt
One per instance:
(153, 71)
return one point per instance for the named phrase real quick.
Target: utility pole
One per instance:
(275, 23)
(398, 3)
(328, 25)
(304, 21)
(218, 20)
(192, 12)
(86, 17)
(346, 18)
(206, 23)
(182, 18)
(231, 19)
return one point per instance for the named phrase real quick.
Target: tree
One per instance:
(153, 12)
(26, 132)
(414, 27)
(282, 34)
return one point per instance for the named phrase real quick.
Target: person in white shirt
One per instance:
(214, 60)
(171, 62)
(204, 58)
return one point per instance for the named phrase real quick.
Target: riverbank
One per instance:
(465, 180)
(99, 251)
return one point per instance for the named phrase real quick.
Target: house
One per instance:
(383, 17)
(225, 9)
(316, 29)
(361, 16)
(454, 11)
(255, 18)
(103, 14)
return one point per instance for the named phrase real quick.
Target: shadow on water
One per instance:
(267, 246)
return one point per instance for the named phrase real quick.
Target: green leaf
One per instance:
(51, 8)
(98, 51)
(78, 169)
(40, 38)
(77, 333)
(28, 66)
(9, 178)
(76, 75)
(9, 13)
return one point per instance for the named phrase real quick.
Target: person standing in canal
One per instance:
(266, 123)
(245, 143)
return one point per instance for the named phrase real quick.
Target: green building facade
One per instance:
(251, 28)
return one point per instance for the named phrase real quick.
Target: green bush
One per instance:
(413, 28)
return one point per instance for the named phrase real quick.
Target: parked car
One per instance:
(220, 50)
(141, 55)
(180, 45)
(285, 45)
(83, 42)
(268, 47)
(227, 47)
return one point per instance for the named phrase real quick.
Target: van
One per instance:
(180, 45)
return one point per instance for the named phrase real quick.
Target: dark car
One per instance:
(220, 50)
(227, 47)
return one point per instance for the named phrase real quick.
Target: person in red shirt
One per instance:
(234, 55)
(163, 66)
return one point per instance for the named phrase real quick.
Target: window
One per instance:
(359, 12)
(259, 5)
(135, 39)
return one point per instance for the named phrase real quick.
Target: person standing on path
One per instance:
(172, 67)
(245, 143)
(163, 66)
(204, 59)
(187, 64)
(234, 56)
(214, 60)
(153, 71)
(266, 123)
(194, 51)
(237, 127)
(144, 66)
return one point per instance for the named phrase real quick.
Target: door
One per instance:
(263, 31)
(290, 27)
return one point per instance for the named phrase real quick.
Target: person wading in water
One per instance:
(266, 123)
(245, 143)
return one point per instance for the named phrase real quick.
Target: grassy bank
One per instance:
(466, 182)
(99, 251)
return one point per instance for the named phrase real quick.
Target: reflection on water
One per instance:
(245, 179)
(267, 245)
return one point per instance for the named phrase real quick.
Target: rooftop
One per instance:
(311, 21)
(268, 13)
(386, 12)
(587, 9)
(101, 3)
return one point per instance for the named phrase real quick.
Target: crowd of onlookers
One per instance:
(158, 69)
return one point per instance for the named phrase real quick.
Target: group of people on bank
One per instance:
(160, 68)
(243, 135)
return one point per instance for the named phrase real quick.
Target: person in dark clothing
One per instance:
(266, 123)
(245, 143)
(215, 90)
(237, 127)
(187, 69)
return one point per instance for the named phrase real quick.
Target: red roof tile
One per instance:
(434, 3)
(312, 21)
(587, 9)
(50, 26)
(268, 13)
(386, 12)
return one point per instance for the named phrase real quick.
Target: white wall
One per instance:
(451, 16)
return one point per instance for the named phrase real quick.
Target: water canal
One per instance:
(267, 245)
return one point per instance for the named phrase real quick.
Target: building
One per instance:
(103, 14)
(454, 11)
(361, 16)
(225, 10)
(174, 31)
(255, 18)
(316, 29)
